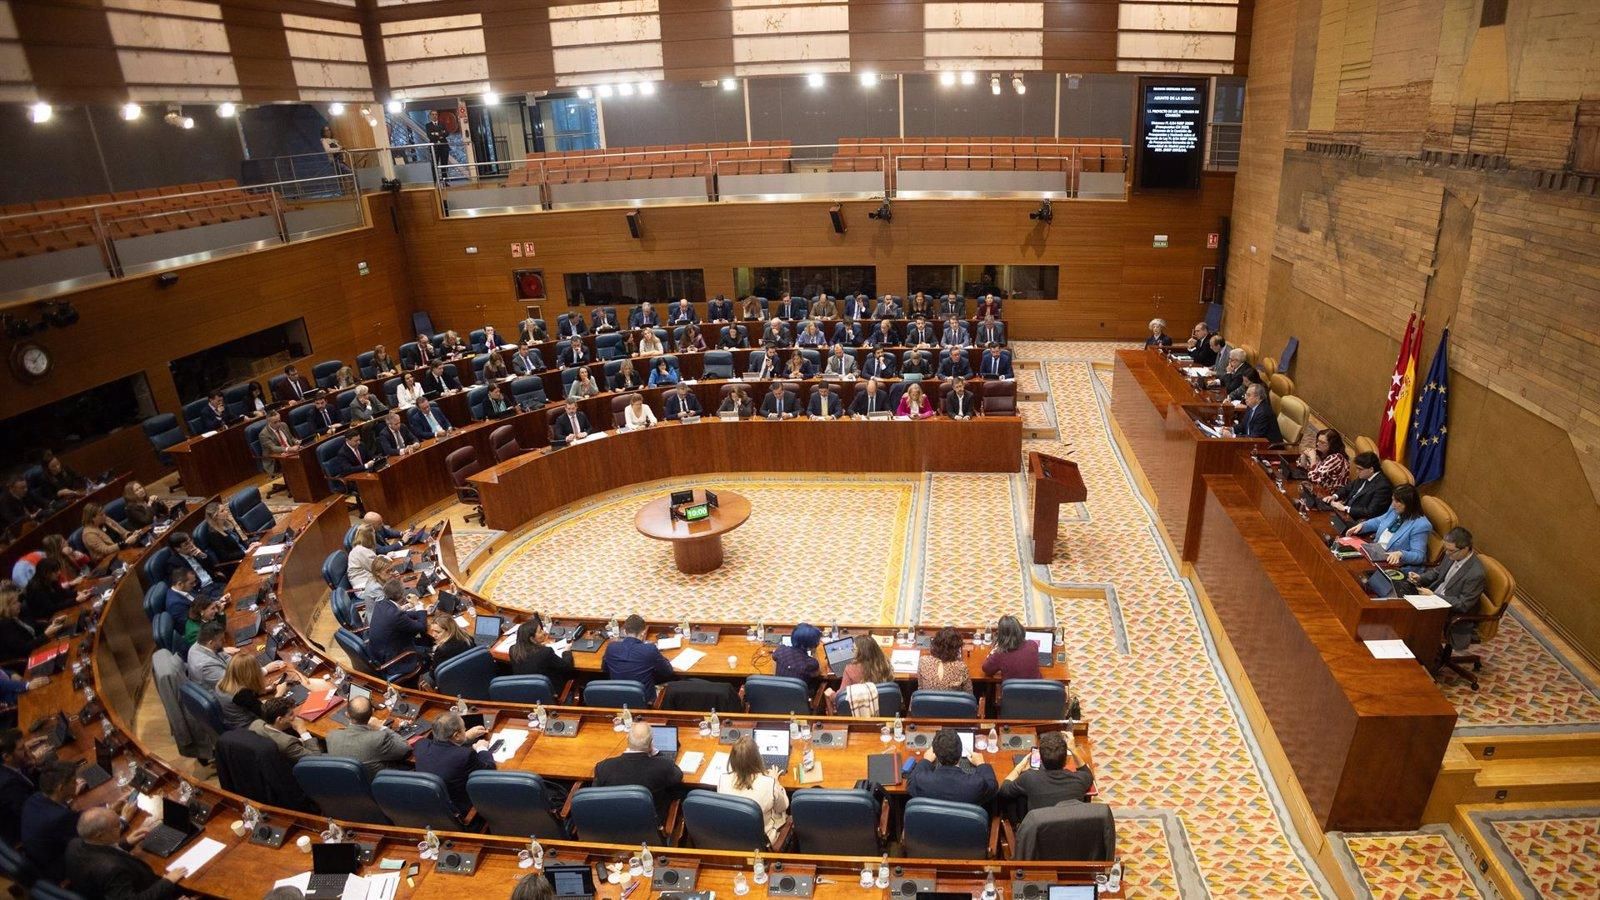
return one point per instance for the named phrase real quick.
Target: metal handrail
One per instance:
(237, 187)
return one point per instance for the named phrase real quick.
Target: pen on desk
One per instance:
(628, 891)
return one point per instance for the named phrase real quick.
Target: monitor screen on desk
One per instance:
(681, 497)
(1046, 639)
(840, 653)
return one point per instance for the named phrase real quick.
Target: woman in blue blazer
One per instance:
(1405, 526)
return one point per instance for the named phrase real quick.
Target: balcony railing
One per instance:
(1222, 144)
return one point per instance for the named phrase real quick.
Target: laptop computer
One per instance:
(571, 882)
(245, 633)
(581, 644)
(1339, 523)
(269, 653)
(450, 603)
(331, 868)
(1047, 645)
(176, 828)
(486, 630)
(665, 739)
(840, 653)
(1379, 585)
(1373, 551)
(773, 744)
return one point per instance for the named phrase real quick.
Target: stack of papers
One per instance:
(669, 643)
(1427, 601)
(685, 660)
(715, 769)
(269, 549)
(356, 887)
(1389, 650)
(512, 740)
(690, 761)
(204, 851)
(904, 662)
(504, 644)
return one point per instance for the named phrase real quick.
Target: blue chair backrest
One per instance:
(414, 800)
(614, 694)
(336, 569)
(528, 390)
(723, 822)
(814, 357)
(342, 401)
(833, 821)
(477, 402)
(756, 359)
(365, 366)
(408, 355)
(202, 704)
(615, 815)
(776, 695)
(202, 534)
(339, 786)
(155, 565)
(944, 705)
(44, 890)
(940, 829)
(163, 431)
(356, 649)
(322, 374)
(248, 510)
(514, 803)
(117, 510)
(888, 700)
(1032, 698)
(15, 867)
(522, 689)
(568, 376)
(478, 362)
(161, 628)
(477, 340)
(236, 398)
(345, 609)
(252, 436)
(300, 420)
(389, 387)
(466, 674)
(75, 540)
(155, 600)
(327, 450)
(718, 364)
(191, 414)
(608, 345)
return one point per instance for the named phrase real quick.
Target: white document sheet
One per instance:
(686, 659)
(690, 761)
(1427, 601)
(715, 769)
(204, 851)
(1389, 650)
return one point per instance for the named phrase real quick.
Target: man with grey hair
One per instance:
(452, 752)
(1232, 374)
(365, 407)
(374, 746)
(101, 865)
(1459, 578)
(1257, 420)
(641, 765)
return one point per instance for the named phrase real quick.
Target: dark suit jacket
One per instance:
(325, 419)
(223, 546)
(288, 385)
(952, 783)
(544, 661)
(955, 366)
(1043, 788)
(987, 334)
(572, 326)
(15, 788)
(836, 405)
(729, 338)
(345, 461)
(770, 406)
(659, 774)
(533, 363)
(878, 336)
(563, 425)
(635, 660)
(434, 384)
(47, 828)
(793, 308)
(857, 308)
(210, 420)
(676, 406)
(419, 425)
(961, 404)
(389, 445)
(100, 872)
(677, 315)
(991, 368)
(453, 763)
(881, 403)
(392, 630)
(1259, 422)
(871, 367)
(719, 310)
(922, 334)
(575, 355)
(1367, 498)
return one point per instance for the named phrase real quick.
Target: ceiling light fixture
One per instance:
(647, 88)
(40, 113)
(606, 91)
(947, 79)
(969, 78)
(994, 85)
(815, 80)
(1018, 85)
(335, 109)
(396, 106)
(187, 122)
(228, 110)
(585, 93)
(729, 84)
(625, 89)
(491, 98)
(131, 111)
(869, 79)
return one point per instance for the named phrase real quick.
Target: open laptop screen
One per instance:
(1046, 639)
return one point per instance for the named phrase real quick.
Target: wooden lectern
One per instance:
(1055, 481)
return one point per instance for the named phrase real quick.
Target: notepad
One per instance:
(464, 622)
(715, 769)
(904, 662)
(1427, 601)
(1389, 650)
(690, 761)
(685, 660)
(511, 740)
(669, 643)
(201, 853)
(269, 549)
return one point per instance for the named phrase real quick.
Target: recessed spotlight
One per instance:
(947, 78)
(40, 113)
(969, 78)
(869, 79)
(131, 111)
(1017, 84)
(994, 85)
(606, 91)
(335, 109)
(815, 80)
(647, 88)
(728, 84)
(187, 122)
(491, 98)
(585, 93)
(625, 89)
(227, 110)
(396, 107)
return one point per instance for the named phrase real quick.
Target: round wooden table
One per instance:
(696, 546)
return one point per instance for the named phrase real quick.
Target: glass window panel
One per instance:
(240, 359)
(805, 281)
(629, 288)
(75, 420)
(1007, 282)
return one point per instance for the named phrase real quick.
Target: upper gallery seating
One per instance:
(47, 225)
(658, 161)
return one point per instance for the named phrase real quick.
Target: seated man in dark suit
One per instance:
(376, 747)
(1368, 493)
(879, 365)
(49, 823)
(953, 364)
(989, 332)
(790, 307)
(779, 403)
(395, 437)
(215, 415)
(825, 404)
(18, 774)
(953, 305)
(576, 354)
(1258, 420)
(960, 403)
(940, 775)
(103, 868)
(731, 338)
(527, 360)
(955, 334)
(643, 317)
(634, 659)
(1027, 788)
(996, 363)
(453, 752)
(858, 306)
(682, 313)
(293, 387)
(350, 457)
(871, 399)
(851, 333)
(571, 326)
(391, 629)
(603, 319)
(919, 333)
(181, 594)
(429, 421)
(1459, 579)
(681, 402)
(185, 551)
(571, 425)
(438, 379)
(18, 504)
(324, 419)
(888, 308)
(641, 765)
(719, 309)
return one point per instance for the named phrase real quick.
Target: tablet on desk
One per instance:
(665, 739)
(1047, 644)
(486, 630)
(840, 653)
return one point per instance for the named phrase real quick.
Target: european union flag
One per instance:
(1430, 424)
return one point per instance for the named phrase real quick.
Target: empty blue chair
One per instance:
(202, 704)
(615, 815)
(155, 565)
(527, 391)
(615, 694)
(415, 800)
(608, 345)
(248, 510)
(943, 705)
(299, 421)
(940, 829)
(155, 600)
(723, 822)
(163, 432)
(514, 803)
(117, 510)
(365, 366)
(718, 364)
(166, 636)
(389, 388)
(478, 402)
(776, 695)
(192, 412)
(522, 689)
(336, 569)
(814, 357)
(1033, 698)
(323, 373)
(888, 700)
(834, 821)
(466, 674)
(340, 789)
(402, 668)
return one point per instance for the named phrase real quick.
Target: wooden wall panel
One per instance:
(1112, 280)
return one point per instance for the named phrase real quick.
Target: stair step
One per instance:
(1551, 770)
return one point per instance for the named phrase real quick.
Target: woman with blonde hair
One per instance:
(363, 550)
(748, 777)
(101, 536)
(139, 510)
(345, 378)
(244, 686)
(913, 404)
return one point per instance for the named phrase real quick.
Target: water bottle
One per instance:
(627, 717)
(647, 860)
(460, 708)
(989, 892)
(794, 727)
(899, 729)
(994, 740)
(716, 723)
(759, 870)
(805, 730)
(391, 697)
(882, 880)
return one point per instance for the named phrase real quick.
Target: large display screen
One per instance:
(1172, 127)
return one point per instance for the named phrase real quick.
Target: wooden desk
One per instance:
(696, 546)
(212, 464)
(63, 522)
(416, 480)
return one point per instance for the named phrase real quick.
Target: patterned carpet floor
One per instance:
(1198, 814)
(1549, 852)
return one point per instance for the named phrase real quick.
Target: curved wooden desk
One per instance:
(696, 546)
